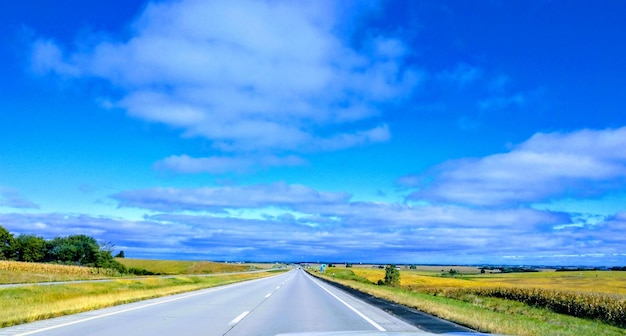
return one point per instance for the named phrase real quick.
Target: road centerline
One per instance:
(238, 318)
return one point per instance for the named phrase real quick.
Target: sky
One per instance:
(428, 132)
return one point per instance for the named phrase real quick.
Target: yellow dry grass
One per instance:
(31, 303)
(604, 282)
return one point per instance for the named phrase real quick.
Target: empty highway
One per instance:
(289, 302)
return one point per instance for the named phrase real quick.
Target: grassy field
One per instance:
(23, 272)
(463, 298)
(31, 303)
(173, 267)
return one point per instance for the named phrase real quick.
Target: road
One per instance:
(288, 302)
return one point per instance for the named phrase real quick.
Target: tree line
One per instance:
(79, 249)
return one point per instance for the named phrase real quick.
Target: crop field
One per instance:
(21, 272)
(173, 267)
(537, 303)
(27, 272)
(604, 282)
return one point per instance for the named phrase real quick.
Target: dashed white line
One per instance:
(158, 302)
(268, 295)
(238, 318)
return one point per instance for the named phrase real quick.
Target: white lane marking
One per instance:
(206, 291)
(369, 320)
(238, 318)
(268, 295)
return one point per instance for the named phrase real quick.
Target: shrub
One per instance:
(392, 276)
(140, 271)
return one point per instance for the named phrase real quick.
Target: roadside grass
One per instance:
(31, 303)
(486, 314)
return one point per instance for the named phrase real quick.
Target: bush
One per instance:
(392, 276)
(140, 271)
(347, 274)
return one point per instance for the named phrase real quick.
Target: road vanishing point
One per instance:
(291, 302)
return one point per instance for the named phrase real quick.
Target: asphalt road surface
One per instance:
(289, 302)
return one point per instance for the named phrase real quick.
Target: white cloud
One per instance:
(305, 216)
(219, 165)
(220, 198)
(417, 237)
(462, 75)
(47, 57)
(13, 199)
(502, 102)
(586, 162)
(295, 222)
(248, 75)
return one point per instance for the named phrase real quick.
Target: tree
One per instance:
(392, 276)
(76, 249)
(30, 248)
(120, 255)
(7, 244)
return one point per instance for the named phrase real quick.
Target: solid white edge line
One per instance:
(202, 292)
(369, 320)
(238, 318)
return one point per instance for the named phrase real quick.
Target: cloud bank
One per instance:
(548, 165)
(478, 211)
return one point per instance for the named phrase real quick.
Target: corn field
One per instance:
(607, 308)
(27, 267)
(561, 293)
(610, 309)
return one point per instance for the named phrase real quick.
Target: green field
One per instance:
(512, 303)
(172, 267)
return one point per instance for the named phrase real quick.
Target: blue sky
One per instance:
(395, 131)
